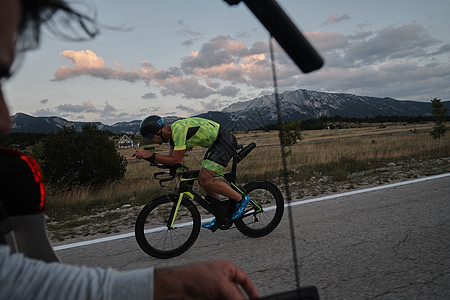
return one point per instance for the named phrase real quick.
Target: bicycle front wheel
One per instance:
(158, 236)
(264, 212)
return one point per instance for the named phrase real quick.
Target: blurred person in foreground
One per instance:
(22, 277)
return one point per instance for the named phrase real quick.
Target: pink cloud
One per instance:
(221, 60)
(88, 63)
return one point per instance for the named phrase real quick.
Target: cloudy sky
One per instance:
(182, 58)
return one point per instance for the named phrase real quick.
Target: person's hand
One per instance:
(217, 279)
(142, 154)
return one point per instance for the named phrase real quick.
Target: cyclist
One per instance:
(183, 135)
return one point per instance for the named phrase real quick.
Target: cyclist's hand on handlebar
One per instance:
(217, 279)
(142, 154)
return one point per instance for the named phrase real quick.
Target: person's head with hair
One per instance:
(21, 22)
(60, 18)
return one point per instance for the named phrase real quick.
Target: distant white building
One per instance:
(126, 142)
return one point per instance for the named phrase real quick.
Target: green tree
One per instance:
(440, 117)
(289, 134)
(78, 158)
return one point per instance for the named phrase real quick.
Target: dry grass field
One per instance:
(322, 161)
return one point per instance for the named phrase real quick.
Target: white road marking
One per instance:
(131, 234)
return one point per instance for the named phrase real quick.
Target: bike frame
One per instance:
(185, 189)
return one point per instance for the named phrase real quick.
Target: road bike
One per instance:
(169, 225)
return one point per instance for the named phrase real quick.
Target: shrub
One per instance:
(440, 116)
(81, 158)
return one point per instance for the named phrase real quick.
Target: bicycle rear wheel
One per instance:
(155, 235)
(264, 212)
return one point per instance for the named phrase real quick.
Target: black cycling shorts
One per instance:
(221, 151)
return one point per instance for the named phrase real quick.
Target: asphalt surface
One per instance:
(390, 243)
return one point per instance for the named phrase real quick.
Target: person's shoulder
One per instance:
(190, 119)
(178, 124)
(198, 120)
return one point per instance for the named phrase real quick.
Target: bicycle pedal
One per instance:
(226, 225)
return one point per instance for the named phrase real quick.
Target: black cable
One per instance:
(285, 170)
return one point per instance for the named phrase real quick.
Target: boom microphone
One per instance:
(280, 26)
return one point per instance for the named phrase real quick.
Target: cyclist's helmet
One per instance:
(150, 126)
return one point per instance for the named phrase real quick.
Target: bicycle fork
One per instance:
(174, 211)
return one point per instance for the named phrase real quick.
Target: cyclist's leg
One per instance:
(207, 180)
(216, 159)
(214, 187)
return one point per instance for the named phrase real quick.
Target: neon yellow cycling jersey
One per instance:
(190, 132)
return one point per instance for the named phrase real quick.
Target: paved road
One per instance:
(385, 244)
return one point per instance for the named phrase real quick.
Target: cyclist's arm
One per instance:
(174, 157)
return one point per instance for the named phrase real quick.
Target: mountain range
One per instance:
(256, 113)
